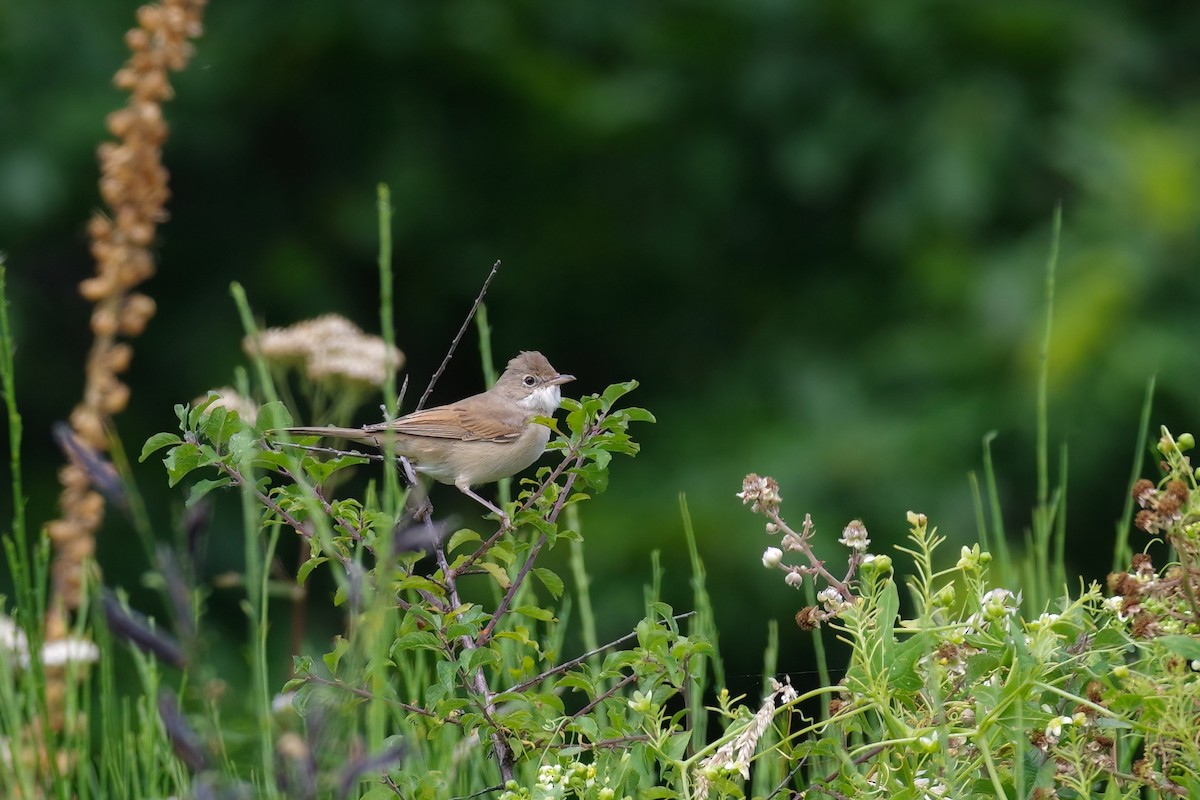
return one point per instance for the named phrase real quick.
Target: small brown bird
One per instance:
(479, 439)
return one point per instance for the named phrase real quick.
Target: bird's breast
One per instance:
(475, 462)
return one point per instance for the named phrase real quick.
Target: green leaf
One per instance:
(201, 488)
(535, 612)
(550, 580)
(219, 424)
(615, 392)
(157, 442)
(243, 444)
(592, 476)
(420, 582)
(181, 460)
(902, 668)
(496, 571)
(318, 471)
(1186, 646)
(635, 414)
(885, 620)
(677, 745)
(460, 537)
(340, 646)
(307, 567)
(417, 640)
(273, 416)
(658, 793)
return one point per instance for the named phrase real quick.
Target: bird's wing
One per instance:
(456, 421)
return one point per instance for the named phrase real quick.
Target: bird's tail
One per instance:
(353, 434)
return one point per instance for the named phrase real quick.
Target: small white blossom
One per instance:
(794, 579)
(1055, 726)
(69, 651)
(791, 542)
(759, 492)
(12, 639)
(855, 537)
(771, 557)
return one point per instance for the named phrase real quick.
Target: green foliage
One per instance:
(419, 657)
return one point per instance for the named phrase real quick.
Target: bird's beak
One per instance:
(558, 380)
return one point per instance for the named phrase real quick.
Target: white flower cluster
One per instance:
(56, 653)
(734, 756)
(329, 348)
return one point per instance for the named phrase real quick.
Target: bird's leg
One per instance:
(504, 520)
(418, 498)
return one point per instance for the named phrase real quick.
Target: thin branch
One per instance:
(458, 336)
(566, 665)
(523, 573)
(481, 792)
(619, 685)
(369, 695)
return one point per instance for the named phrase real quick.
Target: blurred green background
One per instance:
(814, 232)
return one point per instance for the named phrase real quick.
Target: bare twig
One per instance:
(621, 684)
(458, 336)
(366, 694)
(566, 665)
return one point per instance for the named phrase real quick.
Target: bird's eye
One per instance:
(530, 380)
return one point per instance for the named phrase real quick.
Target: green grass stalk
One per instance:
(1122, 553)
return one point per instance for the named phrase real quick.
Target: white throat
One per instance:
(542, 401)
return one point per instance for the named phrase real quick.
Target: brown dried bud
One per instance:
(809, 618)
(1145, 521)
(1141, 562)
(99, 227)
(150, 17)
(1168, 504)
(125, 79)
(1177, 490)
(89, 427)
(153, 85)
(1144, 626)
(137, 39)
(104, 322)
(80, 548)
(90, 509)
(1114, 580)
(73, 477)
(60, 531)
(96, 288)
(1142, 490)
(118, 357)
(148, 114)
(115, 399)
(135, 313)
(120, 122)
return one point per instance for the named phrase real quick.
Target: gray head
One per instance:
(530, 380)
